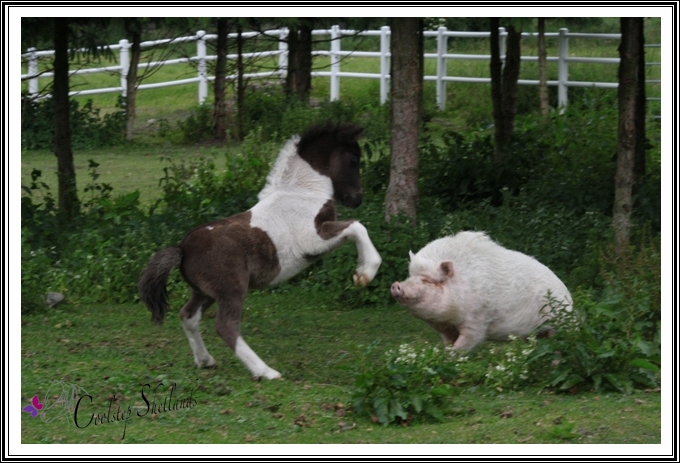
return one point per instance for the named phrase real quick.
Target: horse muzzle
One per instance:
(352, 201)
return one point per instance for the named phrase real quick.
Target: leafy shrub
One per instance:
(35, 265)
(403, 384)
(604, 344)
(510, 368)
(199, 193)
(198, 126)
(94, 257)
(412, 382)
(89, 129)
(279, 116)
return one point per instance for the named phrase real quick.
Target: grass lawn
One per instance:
(126, 168)
(113, 351)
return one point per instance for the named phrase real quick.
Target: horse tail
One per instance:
(153, 282)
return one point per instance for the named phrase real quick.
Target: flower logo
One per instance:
(34, 408)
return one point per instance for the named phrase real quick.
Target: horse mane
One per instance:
(342, 132)
(276, 174)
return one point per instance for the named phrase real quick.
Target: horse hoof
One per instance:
(206, 362)
(360, 280)
(271, 374)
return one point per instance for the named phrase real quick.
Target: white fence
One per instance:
(336, 54)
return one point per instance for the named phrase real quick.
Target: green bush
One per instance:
(89, 129)
(198, 126)
(403, 384)
(198, 192)
(612, 339)
(35, 270)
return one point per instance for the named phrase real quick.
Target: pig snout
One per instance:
(397, 290)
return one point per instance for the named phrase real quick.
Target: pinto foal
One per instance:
(293, 224)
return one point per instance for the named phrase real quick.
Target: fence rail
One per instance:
(336, 54)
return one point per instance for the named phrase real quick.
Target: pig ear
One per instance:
(447, 268)
(411, 255)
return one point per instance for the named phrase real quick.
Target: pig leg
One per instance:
(468, 338)
(449, 332)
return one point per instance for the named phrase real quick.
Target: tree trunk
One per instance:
(406, 95)
(299, 76)
(639, 166)
(220, 115)
(134, 31)
(542, 77)
(496, 71)
(510, 78)
(628, 98)
(240, 85)
(504, 87)
(66, 173)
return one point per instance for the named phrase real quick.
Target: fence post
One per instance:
(33, 71)
(124, 64)
(283, 56)
(442, 48)
(562, 70)
(335, 63)
(384, 63)
(502, 35)
(202, 68)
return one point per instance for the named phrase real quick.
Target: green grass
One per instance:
(314, 341)
(126, 168)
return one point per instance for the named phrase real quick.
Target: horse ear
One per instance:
(410, 255)
(350, 134)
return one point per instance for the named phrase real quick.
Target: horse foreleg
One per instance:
(334, 233)
(228, 327)
(369, 259)
(191, 318)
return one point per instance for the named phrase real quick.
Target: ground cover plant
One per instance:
(372, 373)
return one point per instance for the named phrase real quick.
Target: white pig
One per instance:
(471, 290)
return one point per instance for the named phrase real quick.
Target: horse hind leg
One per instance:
(228, 327)
(191, 318)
